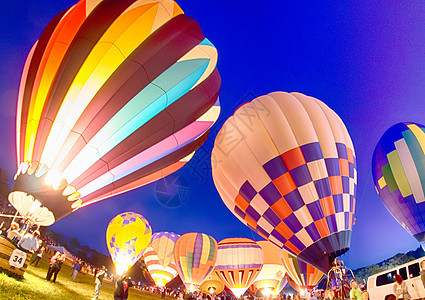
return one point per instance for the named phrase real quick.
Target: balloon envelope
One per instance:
(127, 236)
(304, 275)
(114, 95)
(284, 164)
(272, 272)
(159, 257)
(195, 255)
(398, 168)
(239, 261)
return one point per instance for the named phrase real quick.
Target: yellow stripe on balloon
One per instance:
(419, 134)
(205, 250)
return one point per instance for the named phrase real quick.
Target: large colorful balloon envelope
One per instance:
(398, 168)
(212, 285)
(239, 261)
(195, 255)
(284, 164)
(114, 95)
(159, 257)
(127, 236)
(273, 272)
(304, 275)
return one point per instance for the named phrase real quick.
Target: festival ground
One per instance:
(35, 287)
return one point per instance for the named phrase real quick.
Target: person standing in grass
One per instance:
(76, 269)
(56, 267)
(39, 253)
(99, 281)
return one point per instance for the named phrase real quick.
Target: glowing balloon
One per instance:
(284, 164)
(242, 257)
(280, 286)
(212, 285)
(159, 257)
(272, 272)
(195, 255)
(398, 168)
(114, 95)
(127, 236)
(304, 275)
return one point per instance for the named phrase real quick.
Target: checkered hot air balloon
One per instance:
(239, 261)
(304, 275)
(398, 168)
(114, 95)
(195, 255)
(159, 257)
(285, 165)
(127, 236)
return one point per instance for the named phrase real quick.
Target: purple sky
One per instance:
(364, 60)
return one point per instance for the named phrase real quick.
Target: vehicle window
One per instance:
(403, 273)
(386, 278)
(414, 270)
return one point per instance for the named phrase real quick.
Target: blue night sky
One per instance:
(366, 62)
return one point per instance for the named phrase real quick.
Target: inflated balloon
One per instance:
(114, 95)
(280, 286)
(272, 272)
(159, 257)
(195, 255)
(398, 168)
(212, 285)
(284, 164)
(127, 236)
(304, 275)
(239, 256)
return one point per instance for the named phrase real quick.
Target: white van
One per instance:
(380, 286)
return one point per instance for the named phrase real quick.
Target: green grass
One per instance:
(35, 286)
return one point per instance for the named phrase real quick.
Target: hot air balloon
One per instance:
(284, 164)
(304, 275)
(398, 168)
(159, 257)
(239, 261)
(195, 255)
(127, 236)
(273, 272)
(114, 95)
(280, 286)
(212, 285)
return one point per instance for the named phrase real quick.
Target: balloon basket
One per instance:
(338, 283)
(6, 251)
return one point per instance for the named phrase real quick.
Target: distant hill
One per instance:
(362, 274)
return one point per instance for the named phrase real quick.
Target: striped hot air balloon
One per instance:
(273, 272)
(284, 164)
(304, 275)
(195, 255)
(239, 261)
(159, 257)
(398, 168)
(127, 236)
(114, 95)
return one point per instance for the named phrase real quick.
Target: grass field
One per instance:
(35, 286)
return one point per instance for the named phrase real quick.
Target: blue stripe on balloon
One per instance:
(417, 154)
(206, 42)
(197, 251)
